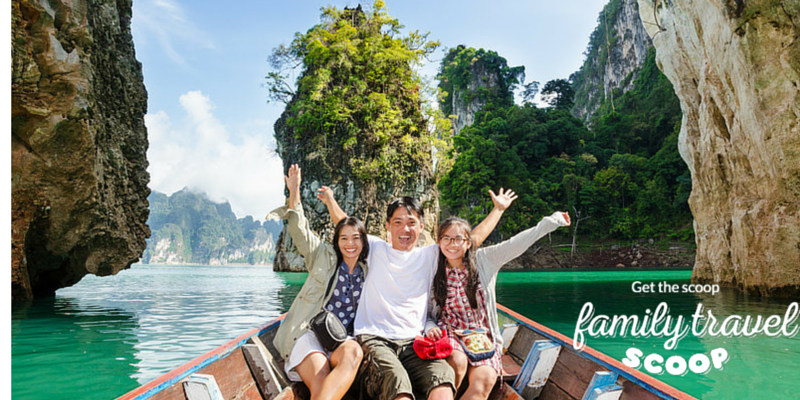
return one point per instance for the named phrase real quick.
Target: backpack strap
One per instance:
(330, 283)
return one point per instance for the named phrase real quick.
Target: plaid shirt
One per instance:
(458, 314)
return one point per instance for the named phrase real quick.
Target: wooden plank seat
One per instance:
(603, 387)
(510, 368)
(504, 392)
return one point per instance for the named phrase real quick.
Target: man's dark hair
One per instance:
(409, 203)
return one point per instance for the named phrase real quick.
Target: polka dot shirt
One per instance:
(345, 296)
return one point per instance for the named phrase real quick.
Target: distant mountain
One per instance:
(189, 228)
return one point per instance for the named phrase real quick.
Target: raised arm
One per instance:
(303, 237)
(501, 201)
(292, 180)
(501, 253)
(326, 195)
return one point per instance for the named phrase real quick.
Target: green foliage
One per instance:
(625, 175)
(514, 147)
(645, 115)
(357, 95)
(589, 78)
(462, 67)
(558, 93)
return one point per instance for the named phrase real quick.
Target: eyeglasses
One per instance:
(458, 240)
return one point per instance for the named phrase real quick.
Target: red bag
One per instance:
(428, 349)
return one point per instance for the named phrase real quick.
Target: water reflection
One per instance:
(54, 335)
(209, 306)
(145, 321)
(294, 281)
(761, 361)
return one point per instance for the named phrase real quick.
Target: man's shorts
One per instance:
(392, 368)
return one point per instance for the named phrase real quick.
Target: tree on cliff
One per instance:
(558, 93)
(480, 75)
(357, 97)
(357, 117)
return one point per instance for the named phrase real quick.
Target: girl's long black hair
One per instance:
(440, 279)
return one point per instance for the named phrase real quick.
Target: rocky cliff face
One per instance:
(735, 66)
(189, 228)
(464, 108)
(78, 144)
(365, 199)
(171, 250)
(472, 79)
(617, 49)
(466, 101)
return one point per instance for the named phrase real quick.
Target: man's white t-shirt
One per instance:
(395, 299)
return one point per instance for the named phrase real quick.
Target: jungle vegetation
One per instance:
(357, 99)
(199, 230)
(359, 105)
(623, 178)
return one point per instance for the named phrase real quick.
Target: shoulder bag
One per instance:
(329, 329)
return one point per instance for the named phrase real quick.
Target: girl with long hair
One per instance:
(464, 294)
(340, 266)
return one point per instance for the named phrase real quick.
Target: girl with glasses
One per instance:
(464, 290)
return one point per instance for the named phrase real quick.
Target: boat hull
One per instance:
(539, 362)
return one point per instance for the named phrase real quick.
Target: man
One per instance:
(393, 307)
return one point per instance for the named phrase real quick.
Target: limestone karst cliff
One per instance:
(617, 50)
(189, 228)
(78, 144)
(472, 78)
(355, 122)
(735, 65)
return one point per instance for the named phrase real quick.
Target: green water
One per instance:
(105, 336)
(759, 367)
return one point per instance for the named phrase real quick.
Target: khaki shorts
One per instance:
(392, 368)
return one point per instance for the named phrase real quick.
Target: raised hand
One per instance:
(503, 199)
(325, 194)
(293, 178)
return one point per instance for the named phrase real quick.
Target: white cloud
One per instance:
(199, 153)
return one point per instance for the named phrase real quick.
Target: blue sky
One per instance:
(204, 62)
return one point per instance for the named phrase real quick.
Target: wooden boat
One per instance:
(539, 363)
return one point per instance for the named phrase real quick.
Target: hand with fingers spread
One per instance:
(293, 179)
(503, 199)
(325, 194)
